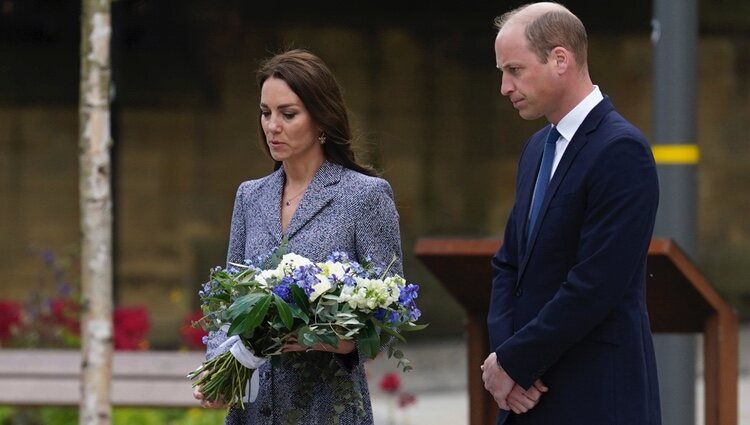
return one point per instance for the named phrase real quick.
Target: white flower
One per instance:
(265, 276)
(395, 281)
(333, 270)
(323, 285)
(369, 294)
(292, 261)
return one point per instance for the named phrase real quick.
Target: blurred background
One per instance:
(423, 93)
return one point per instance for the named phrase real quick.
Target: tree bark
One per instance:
(95, 143)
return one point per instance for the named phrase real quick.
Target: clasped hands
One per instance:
(507, 394)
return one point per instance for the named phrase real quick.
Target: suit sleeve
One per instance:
(235, 254)
(504, 278)
(622, 196)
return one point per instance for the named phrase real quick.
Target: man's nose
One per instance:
(506, 86)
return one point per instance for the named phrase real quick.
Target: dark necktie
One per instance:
(543, 178)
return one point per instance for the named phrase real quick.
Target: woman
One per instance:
(322, 200)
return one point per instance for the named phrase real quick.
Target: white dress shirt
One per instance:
(569, 124)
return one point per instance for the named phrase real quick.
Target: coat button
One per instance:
(519, 292)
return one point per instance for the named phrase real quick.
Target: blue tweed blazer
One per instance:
(341, 210)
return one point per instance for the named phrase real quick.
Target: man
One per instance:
(568, 321)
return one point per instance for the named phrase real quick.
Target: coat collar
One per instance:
(318, 194)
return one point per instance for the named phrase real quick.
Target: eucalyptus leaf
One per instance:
(391, 332)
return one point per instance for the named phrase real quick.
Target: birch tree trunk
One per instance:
(96, 214)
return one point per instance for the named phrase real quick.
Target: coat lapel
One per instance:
(579, 140)
(319, 193)
(269, 204)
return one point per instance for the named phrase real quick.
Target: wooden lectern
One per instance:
(679, 298)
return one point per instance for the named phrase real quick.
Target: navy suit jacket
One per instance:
(568, 305)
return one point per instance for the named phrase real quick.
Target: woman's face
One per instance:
(290, 132)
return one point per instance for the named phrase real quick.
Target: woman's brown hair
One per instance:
(311, 80)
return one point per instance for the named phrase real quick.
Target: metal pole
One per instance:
(675, 36)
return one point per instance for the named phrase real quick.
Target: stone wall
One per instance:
(427, 112)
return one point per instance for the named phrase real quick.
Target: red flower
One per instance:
(131, 326)
(66, 313)
(193, 336)
(10, 317)
(390, 382)
(406, 400)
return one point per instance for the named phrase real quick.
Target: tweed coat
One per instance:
(341, 210)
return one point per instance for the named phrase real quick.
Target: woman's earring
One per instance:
(322, 139)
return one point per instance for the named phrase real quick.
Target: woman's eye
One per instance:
(289, 115)
(265, 114)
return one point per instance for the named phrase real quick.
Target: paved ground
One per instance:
(439, 384)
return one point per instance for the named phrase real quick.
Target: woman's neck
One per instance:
(301, 173)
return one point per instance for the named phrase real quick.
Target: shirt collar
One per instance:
(569, 124)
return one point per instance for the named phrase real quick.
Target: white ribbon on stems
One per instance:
(248, 359)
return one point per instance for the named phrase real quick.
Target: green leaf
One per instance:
(300, 298)
(413, 327)
(307, 337)
(298, 313)
(246, 323)
(368, 340)
(393, 333)
(244, 304)
(284, 311)
(275, 259)
(329, 339)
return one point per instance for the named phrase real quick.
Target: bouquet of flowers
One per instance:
(287, 298)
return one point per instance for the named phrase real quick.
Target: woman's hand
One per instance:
(208, 404)
(343, 347)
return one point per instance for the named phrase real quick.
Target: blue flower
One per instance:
(304, 277)
(408, 294)
(283, 291)
(379, 314)
(394, 317)
(357, 269)
(338, 257)
(414, 312)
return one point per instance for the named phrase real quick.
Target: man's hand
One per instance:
(521, 401)
(496, 381)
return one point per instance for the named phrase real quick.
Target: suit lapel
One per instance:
(527, 180)
(319, 193)
(580, 138)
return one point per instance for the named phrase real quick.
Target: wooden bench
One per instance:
(52, 378)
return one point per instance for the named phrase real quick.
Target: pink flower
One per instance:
(66, 313)
(10, 317)
(193, 336)
(131, 326)
(406, 399)
(390, 383)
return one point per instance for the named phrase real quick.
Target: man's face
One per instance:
(531, 85)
